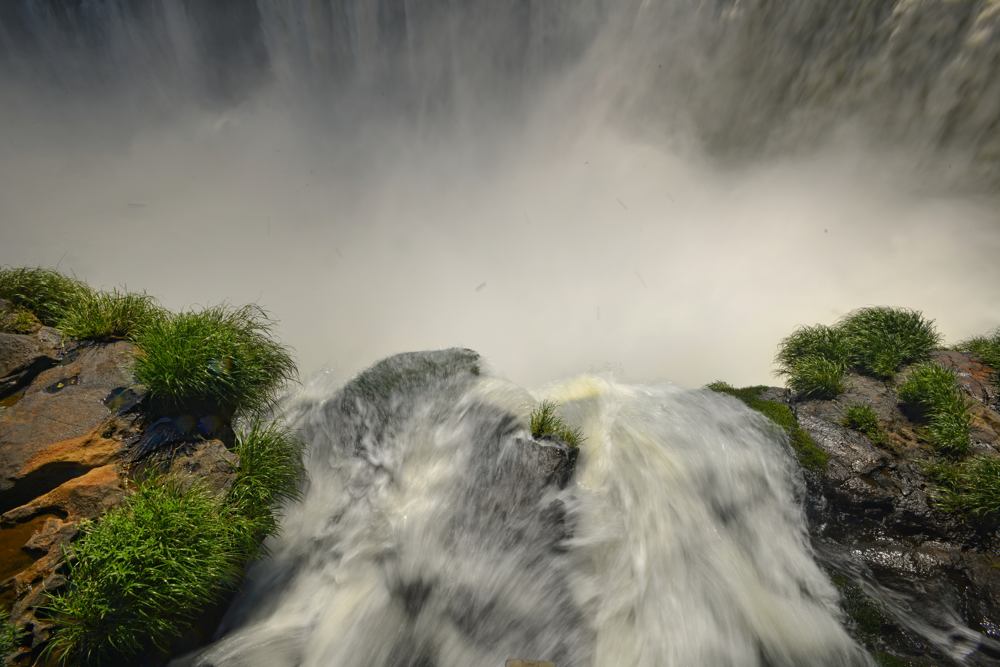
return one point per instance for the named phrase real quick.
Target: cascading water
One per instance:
(433, 531)
(576, 156)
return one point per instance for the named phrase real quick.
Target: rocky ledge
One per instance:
(69, 424)
(877, 528)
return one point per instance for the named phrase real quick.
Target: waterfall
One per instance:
(434, 531)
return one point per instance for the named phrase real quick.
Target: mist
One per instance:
(568, 207)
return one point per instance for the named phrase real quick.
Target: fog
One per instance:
(559, 224)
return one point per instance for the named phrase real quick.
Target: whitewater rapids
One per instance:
(433, 532)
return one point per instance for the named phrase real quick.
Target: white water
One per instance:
(425, 537)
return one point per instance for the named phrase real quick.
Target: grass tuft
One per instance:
(816, 377)
(814, 360)
(864, 419)
(110, 315)
(546, 424)
(881, 340)
(809, 454)
(221, 358)
(931, 393)
(19, 320)
(140, 575)
(46, 293)
(971, 487)
(270, 473)
(10, 636)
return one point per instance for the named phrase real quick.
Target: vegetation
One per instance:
(141, 574)
(881, 340)
(44, 292)
(221, 358)
(109, 315)
(932, 394)
(18, 320)
(987, 348)
(10, 636)
(971, 487)
(809, 454)
(816, 377)
(546, 424)
(864, 419)
(814, 360)
(876, 341)
(144, 572)
(270, 473)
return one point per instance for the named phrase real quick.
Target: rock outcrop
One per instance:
(69, 419)
(874, 521)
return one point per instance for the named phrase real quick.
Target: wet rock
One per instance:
(873, 506)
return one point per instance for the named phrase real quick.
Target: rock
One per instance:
(872, 506)
(207, 462)
(511, 662)
(63, 402)
(22, 357)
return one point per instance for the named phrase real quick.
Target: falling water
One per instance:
(434, 531)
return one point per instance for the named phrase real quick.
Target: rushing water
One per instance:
(431, 533)
(660, 187)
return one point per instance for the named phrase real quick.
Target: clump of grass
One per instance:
(876, 341)
(19, 320)
(221, 358)
(971, 487)
(546, 424)
(987, 348)
(881, 339)
(816, 377)
(44, 292)
(864, 419)
(140, 575)
(814, 360)
(270, 472)
(10, 636)
(809, 454)
(110, 315)
(932, 394)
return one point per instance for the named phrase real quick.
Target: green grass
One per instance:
(971, 487)
(224, 359)
(10, 636)
(18, 320)
(547, 424)
(44, 292)
(809, 454)
(814, 360)
(140, 575)
(932, 395)
(110, 315)
(816, 377)
(882, 340)
(864, 419)
(987, 348)
(810, 342)
(270, 473)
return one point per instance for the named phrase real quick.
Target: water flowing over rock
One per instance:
(436, 531)
(743, 76)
